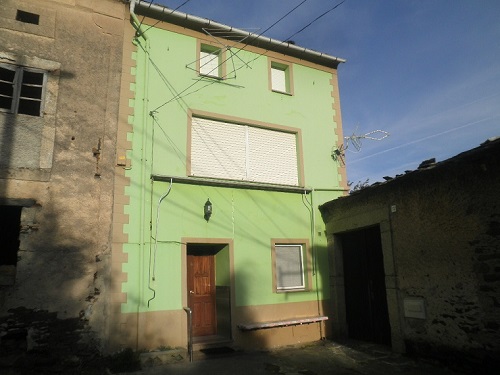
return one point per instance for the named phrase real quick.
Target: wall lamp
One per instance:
(207, 210)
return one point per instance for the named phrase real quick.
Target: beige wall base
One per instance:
(152, 330)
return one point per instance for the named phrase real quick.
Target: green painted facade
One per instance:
(167, 89)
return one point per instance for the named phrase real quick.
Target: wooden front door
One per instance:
(201, 293)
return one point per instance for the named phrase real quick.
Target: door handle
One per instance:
(191, 292)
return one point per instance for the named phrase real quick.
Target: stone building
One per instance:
(415, 261)
(60, 71)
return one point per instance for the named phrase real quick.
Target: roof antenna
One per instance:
(219, 36)
(355, 140)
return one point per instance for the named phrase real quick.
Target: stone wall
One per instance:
(444, 224)
(62, 174)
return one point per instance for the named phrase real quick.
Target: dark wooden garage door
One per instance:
(365, 294)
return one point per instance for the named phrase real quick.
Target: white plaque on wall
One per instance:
(414, 308)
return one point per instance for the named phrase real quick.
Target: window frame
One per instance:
(306, 258)
(287, 70)
(209, 49)
(17, 87)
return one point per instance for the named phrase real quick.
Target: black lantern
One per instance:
(207, 210)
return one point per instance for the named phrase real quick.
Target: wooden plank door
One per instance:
(201, 293)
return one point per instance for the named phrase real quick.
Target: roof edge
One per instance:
(196, 23)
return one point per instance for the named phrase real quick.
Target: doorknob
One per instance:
(191, 292)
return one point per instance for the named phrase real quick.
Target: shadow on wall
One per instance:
(60, 258)
(299, 308)
(56, 293)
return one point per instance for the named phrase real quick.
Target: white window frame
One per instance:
(210, 61)
(281, 283)
(18, 83)
(280, 78)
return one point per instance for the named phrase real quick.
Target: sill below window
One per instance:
(210, 76)
(282, 92)
(292, 290)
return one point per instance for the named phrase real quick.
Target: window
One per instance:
(281, 78)
(289, 266)
(10, 225)
(210, 61)
(242, 152)
(27, 17)
(21, 90)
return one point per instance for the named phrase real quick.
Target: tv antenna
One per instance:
(355, 141)
(219, 36)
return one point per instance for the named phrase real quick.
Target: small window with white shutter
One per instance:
(281, 78)
(210, 61)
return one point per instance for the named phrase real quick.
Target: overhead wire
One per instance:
(173, 10)
(258, 56)
(179, 94)
(317, 18)
(144, 17)
(220, 64)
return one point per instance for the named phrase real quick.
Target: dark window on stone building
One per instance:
(10, 226)
(21, 90)
(27, 17)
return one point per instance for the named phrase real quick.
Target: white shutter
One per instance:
(289, 267)
(278, 79)
(209, 64)
(272, 157)
(218, 149)
(241, 152)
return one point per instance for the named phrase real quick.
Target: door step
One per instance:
(211, 342)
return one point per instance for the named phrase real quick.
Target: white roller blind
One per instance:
(218, 149)
(289, 267)
(209, 64)
(272, 156)
(241, 152)
(278, 79)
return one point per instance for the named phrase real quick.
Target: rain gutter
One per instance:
(165, 14)
(135, 21)
(232, 184)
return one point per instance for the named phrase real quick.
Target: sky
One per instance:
(425, 71)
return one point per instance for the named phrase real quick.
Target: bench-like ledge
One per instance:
(281, 323)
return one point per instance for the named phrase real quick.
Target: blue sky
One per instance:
(425, 71)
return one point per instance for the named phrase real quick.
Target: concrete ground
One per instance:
(324, 357)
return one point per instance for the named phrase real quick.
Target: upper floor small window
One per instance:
(281, 78)
(22, 90)
(210, 61)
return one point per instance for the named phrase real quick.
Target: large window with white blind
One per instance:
(243, 152)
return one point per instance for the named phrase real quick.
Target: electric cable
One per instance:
(173, 10)
(220, 64)
(179, 95)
